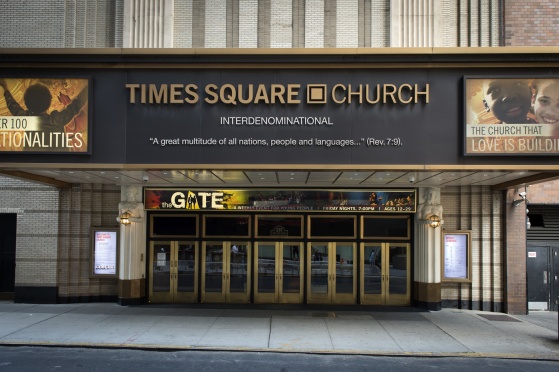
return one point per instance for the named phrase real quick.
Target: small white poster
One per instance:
(456, 256)
(105, 253)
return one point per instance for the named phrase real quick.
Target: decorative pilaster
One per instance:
(131, 287)
(427, 254)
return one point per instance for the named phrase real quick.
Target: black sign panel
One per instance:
(349, 116)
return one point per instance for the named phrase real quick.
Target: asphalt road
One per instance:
(26, 358)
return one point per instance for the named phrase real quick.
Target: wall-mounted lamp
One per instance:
(434, 221)
(124, 218)
(517, 202)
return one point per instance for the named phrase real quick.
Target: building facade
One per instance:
(54, 213)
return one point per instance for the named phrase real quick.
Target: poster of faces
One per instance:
(511, 116)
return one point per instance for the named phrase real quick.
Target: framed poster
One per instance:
(511, 115)
(45, 115)
(456, 256)
(104, 252)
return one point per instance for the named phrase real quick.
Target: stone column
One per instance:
(427, 251)
(131, 283)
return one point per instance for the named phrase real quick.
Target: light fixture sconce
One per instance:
(434, 221)
(125, 218)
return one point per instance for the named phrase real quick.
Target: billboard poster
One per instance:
(48, 115)
(511, 116)
(282, 200)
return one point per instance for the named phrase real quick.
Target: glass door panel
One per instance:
(398, 274)
(237, 273)
(291, 274)
(213, 270)
(187, 272)
(173, 272)
(385, 273)
(332, 273)
(371, 273)
(279, 273)
(344, 269)
(318, 273)
(225, 276)
(160, 272)
(266, 272)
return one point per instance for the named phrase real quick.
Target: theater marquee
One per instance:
(304, 200)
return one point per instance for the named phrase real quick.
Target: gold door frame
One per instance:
(385, 297)
(334, 269)
(279, 296)
(172, 264)
(226, 296)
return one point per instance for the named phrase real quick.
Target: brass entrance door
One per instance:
(279, 272)
(173, 272)
(385, 273)
(226, 271)
(331, 271)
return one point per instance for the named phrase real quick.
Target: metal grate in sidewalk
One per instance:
(498, 317)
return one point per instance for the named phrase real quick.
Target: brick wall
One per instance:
(314, 24)
(36, 237)
(61, 24)
(248, 24)
(531, 23)
(478, 209)
(515, 286)
(216, 22)
(53, 236)
(542, 193)
(182, 34)
(281, 27)
(81, 208)
(347, 23)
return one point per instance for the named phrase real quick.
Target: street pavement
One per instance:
(332, 330)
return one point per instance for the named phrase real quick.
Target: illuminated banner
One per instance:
(283, 200)
(44, 115)
(511, 116)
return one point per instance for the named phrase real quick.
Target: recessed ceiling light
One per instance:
(71, 172)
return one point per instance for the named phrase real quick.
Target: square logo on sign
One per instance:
(316, 93)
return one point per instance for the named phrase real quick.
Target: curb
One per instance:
(171, 348)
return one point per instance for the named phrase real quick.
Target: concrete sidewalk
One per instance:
(442, 333)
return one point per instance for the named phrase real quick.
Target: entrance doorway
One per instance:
(330, 272)
(173, 272)
(385, 273)
(226, 271)
(279, 272)
(8, 225)
(542, 266)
